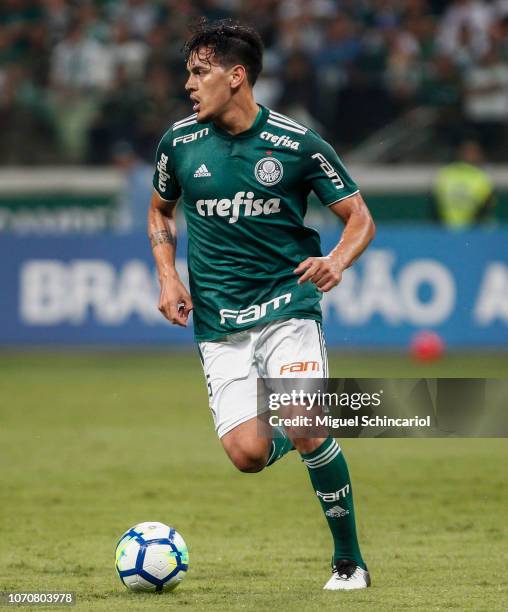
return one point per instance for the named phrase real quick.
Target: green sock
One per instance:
(281, 445)
(330, 478)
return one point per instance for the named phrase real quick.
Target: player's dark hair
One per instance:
(229, 43)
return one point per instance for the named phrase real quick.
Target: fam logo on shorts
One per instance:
(299, 366)
(268, 171)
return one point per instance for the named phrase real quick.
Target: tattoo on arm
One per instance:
(162, 237)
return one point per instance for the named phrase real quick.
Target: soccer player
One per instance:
(242, 173)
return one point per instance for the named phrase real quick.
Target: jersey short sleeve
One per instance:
(164, 178)
(325, 173)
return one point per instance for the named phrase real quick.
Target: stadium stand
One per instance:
(77, 78)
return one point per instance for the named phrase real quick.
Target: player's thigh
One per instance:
(231, 377)
(294, 348)
(295, 355)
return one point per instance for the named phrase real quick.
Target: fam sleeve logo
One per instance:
(268, 171)
(329, 170)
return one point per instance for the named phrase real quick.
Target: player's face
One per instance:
(208, 85)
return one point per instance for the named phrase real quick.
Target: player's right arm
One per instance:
(175, 302)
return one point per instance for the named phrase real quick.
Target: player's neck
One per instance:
(239, 116)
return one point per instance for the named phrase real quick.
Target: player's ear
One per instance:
(237, 76)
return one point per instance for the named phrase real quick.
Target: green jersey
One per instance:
(244, 199)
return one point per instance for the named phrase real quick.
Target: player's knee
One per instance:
(247, 452)
(248, 462)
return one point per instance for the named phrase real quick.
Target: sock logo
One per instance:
(336, 512)
(332, 497)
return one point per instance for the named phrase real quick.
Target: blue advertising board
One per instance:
(103, 290)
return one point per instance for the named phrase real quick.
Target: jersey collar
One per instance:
(255, 128)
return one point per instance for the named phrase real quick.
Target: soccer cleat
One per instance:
(347, 576)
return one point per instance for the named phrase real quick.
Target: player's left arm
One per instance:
(359, 229)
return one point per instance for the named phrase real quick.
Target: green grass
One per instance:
(91, 444)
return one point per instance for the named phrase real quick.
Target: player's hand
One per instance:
(324, 272)
(175, 302)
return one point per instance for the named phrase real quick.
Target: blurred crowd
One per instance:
(85, 81)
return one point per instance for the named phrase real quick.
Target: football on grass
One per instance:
(151, 557)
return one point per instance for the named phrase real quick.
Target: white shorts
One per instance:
(283, 348)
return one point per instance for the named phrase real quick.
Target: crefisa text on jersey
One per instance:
(163, 171)
(281, 140)
(231, 208)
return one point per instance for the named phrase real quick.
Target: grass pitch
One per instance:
(91, 444)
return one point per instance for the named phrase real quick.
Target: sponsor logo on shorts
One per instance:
(300, 366)
(254, 312)
(332, 497)
(282, 140)
(336, 512)
(268, 171)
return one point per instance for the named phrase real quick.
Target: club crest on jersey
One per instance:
(268, 171)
